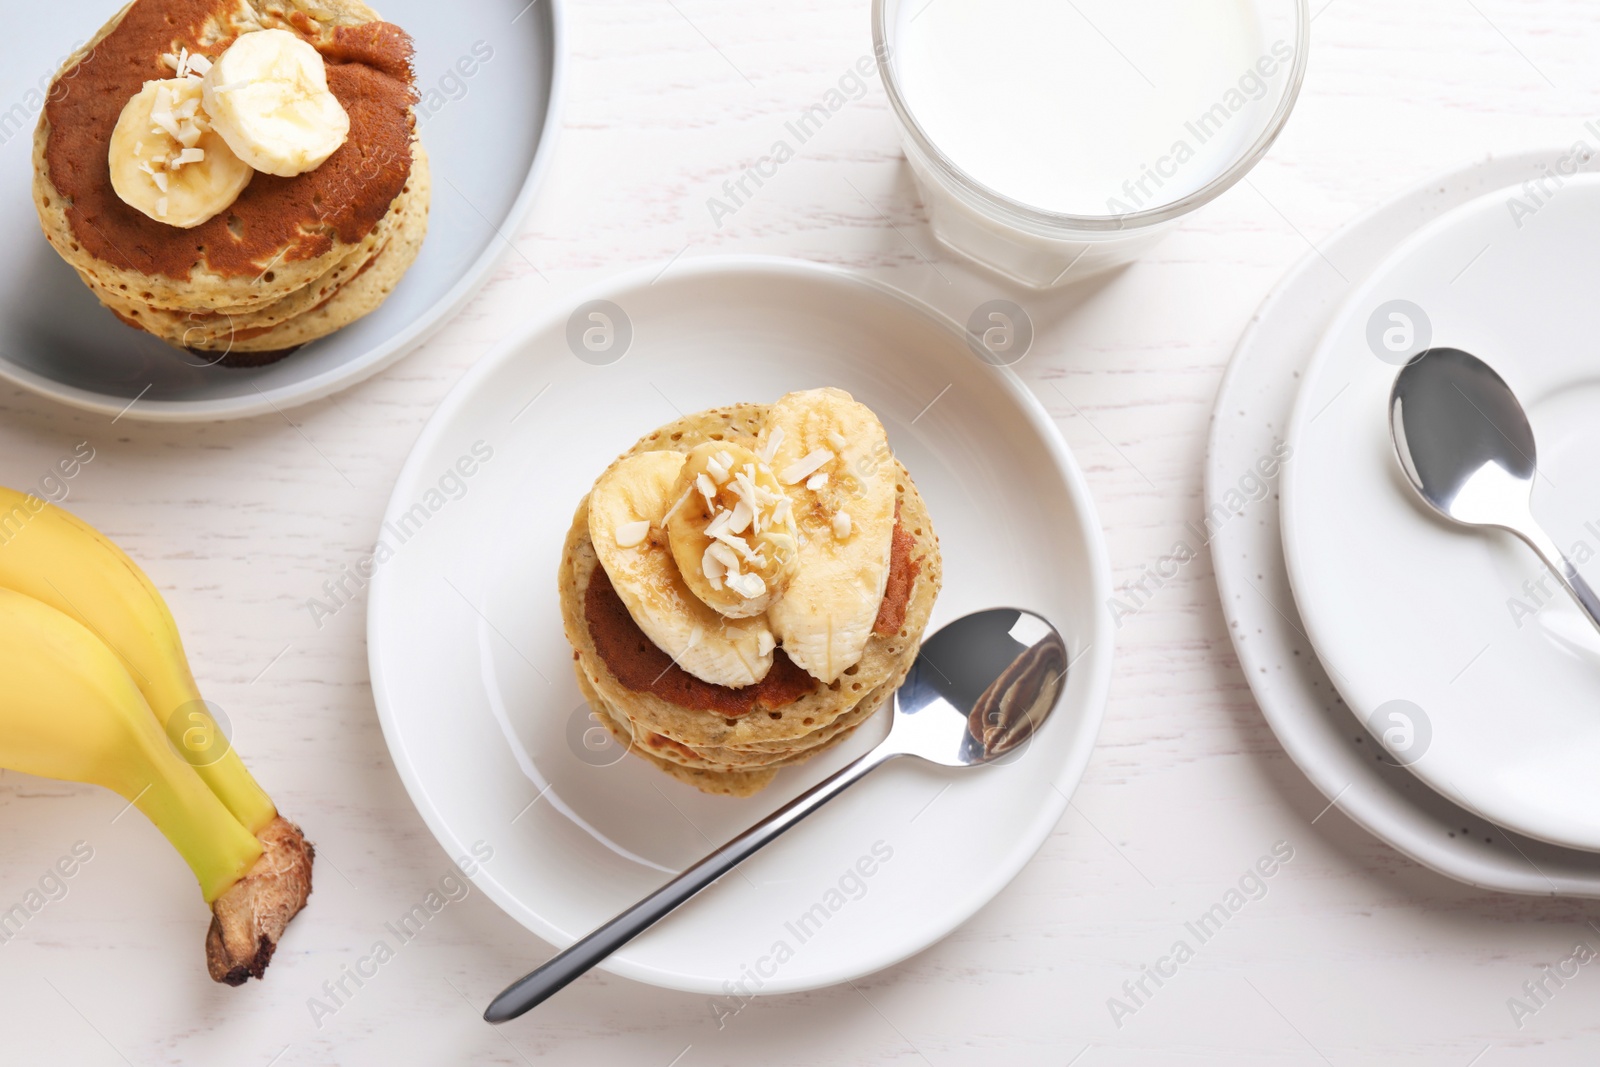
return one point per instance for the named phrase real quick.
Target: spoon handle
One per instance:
(1563, 569)
(534, 988)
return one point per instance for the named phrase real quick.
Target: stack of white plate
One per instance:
(1431, 680)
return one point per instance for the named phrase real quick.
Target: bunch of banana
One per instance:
(185, 147)
(96, 685)
(724, 553)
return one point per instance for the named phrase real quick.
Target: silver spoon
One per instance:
(1466, 445)
(978, 690)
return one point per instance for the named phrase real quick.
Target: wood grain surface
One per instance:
(1353, 954)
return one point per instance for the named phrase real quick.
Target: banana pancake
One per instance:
(717, 783)
(787, 716)
(664, 751)
(389, 249)
(291, 258)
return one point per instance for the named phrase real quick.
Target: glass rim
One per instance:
(1040, 219)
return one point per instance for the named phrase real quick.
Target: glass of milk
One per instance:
(1054, 139)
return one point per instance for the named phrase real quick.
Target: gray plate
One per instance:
(487, 133)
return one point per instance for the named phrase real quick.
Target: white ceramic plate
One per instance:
(1296, 696)
(473, 678)
(1418, 620)
(487, 133)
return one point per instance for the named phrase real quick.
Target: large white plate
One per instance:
(473, 678)
(490, 79)
(1295, 694)
(1418, 620)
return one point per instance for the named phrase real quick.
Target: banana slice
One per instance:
(626, 509)
(732, 530)
(166, 159)
(268, 97)
(832, 457)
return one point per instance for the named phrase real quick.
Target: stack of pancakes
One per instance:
(733, 741)
(293, 259)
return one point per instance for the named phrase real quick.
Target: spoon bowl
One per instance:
(978, 691)
(1467, 447)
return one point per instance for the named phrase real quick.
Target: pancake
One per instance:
(797, 751)
(717, 783)
(389, 250)
(887, 657)
(292, 259)
(669, 728)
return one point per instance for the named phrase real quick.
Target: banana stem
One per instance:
(217, 848)
(197, 737)
(239, 793)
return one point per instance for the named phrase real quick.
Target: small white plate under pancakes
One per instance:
(473, 676)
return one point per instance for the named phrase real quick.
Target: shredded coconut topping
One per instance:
(771, 447)
(803, 468)
(630, 534)
(741, 510)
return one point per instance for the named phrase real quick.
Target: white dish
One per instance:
(487, 136)
(473, 677)
(1295, 694)
(1498, 707)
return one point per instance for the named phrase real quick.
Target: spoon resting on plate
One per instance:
(1466, 445)
(976, 693)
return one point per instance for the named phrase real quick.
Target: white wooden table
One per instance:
(1354, 954)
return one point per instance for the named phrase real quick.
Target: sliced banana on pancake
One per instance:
(626, 509)
(832, 457)
(166, 159)
(731, 530)
(268, 97)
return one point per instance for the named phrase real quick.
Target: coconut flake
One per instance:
(836, 439)
(817, 481)
(736, 543)
(743, 514)
(160, 177)
(717, 470)
(707, 490)
(765, 642)
(199, 65)
(161, 206)
(801, 469)
(770, 449)
(712, 567)
(748, 586)
(189, 155)
(841, 526)
(629, 534)
(166, 124)
(719, 523)
(724, 555)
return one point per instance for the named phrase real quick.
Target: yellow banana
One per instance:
(68, 709)
(54, 557)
